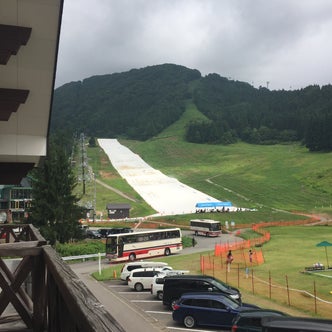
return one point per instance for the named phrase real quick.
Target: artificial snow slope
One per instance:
(164, 194)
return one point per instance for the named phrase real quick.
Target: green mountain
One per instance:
(141, 103)
(137, 104)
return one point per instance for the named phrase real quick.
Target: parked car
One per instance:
(175, 286)
(157, 285)
(140, 279)
(105, 232)
(93, 234)
(128, 267)
(296, 324)
(209, 309)
(251, 320)
(83, 229)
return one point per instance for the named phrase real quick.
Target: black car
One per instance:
(105, 232)
(251, 320)
(296, 324)
(93, 234)
(175, 286)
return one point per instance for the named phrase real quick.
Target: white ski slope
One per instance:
(164, 194)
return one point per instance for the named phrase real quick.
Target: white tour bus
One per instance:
(205, 227)
(145, 244)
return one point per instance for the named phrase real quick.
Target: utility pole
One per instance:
(94, 197)
(83, 162)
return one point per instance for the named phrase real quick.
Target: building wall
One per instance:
(118, 213)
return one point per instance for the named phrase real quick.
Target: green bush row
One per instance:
(80, 248)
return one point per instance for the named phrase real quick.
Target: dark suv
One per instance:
(251, 320)
(175, 286)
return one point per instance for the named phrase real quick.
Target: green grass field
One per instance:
(289, 251)
(275, 180)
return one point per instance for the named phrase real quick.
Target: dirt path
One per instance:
(115, 190)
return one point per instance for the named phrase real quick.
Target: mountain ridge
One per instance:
(141, 103)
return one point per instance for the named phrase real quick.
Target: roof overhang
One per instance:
(29, 40)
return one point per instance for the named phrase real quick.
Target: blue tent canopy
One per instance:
(212, 205)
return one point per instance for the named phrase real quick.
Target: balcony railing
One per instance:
(40, 292)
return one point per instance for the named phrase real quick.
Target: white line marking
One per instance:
(144, 301)
(134, 293)
(158, 312)
(186, 329)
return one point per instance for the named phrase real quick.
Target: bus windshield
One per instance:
(111, 245)
(215, 227)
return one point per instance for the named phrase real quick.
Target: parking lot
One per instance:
(140, 311)
(149, 306)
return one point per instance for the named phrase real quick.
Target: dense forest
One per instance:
(140, 103)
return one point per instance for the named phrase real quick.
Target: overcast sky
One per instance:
(282, 44)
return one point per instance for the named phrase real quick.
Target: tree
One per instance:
(92, 142)
(54, 208)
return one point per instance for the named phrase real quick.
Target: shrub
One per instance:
(80, 248)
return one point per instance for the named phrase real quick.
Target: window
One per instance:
(133, 267)
(144, 274)
(217, 305)
(203, 285)
(201, 303)
(255, 321)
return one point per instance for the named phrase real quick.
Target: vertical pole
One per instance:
(315, 297)
(270, 285)
(82, 152)
(238, 275)
(39, 294)
(287, 291)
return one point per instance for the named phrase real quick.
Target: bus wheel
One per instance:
(132, 257)
(167, 252)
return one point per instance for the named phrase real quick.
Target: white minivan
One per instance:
(141, 279)
(157, 285)
(127, 268)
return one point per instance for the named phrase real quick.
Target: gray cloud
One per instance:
(285, 42)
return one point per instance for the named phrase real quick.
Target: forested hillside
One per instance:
(260, 116)
(137, 104)
(140, 103)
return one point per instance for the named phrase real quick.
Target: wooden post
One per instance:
(287, 291)
(315, 297)
(270, 285)
(39, 294)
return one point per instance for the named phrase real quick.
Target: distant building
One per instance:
(15, 201)
(118, 210)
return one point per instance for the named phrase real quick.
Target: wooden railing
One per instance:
(42, 293)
